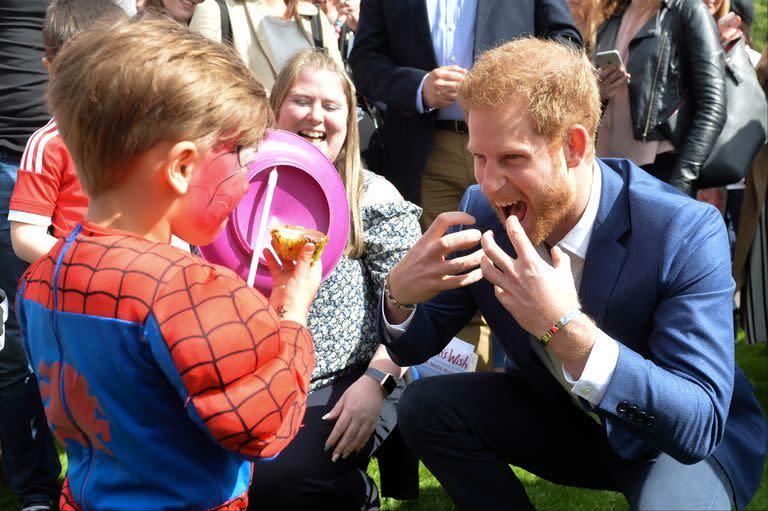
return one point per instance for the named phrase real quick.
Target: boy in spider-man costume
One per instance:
(162, 375)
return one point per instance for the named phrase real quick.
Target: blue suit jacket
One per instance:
(657, 279)
(393, 51)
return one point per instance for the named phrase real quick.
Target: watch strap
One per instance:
(386, 380)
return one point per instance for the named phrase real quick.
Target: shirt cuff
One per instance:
(419, 101)
(395, 331)
(598, 372)
(28, 218)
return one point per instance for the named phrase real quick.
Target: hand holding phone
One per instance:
(613, 75)
(728, 26)
(606, 59)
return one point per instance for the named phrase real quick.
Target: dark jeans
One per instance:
(29, 453)
(468, 428)
(303, 476)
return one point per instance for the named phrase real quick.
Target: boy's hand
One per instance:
(294, 284)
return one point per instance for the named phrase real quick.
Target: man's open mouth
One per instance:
(518, 208)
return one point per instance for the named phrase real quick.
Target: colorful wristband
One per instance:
(544, 339)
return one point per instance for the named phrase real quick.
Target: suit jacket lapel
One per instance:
(605, 254)
(482, 18)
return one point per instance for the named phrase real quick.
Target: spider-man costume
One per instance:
(160, 373)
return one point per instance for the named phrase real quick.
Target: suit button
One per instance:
(622, 407)
(641, 417)
(650, 420)
(631, 410)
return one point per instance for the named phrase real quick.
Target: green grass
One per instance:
(760, 25)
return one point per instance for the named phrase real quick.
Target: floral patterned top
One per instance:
(343, 317)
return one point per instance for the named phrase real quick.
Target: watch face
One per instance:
(389, 384)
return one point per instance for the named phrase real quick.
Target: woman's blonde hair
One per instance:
(348, 161)
(117, 91)
(724, 9)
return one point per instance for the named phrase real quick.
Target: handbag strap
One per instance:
(226, 27)
(317, 30)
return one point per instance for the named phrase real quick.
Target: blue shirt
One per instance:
(452, 27)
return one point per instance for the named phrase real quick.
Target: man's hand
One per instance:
(612, 79)
(535, 293)
(356, 413)
(441, 86)
(294, 284)
(424, 271)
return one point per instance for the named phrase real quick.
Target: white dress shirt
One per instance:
(452, 29)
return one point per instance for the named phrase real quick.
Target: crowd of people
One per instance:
(540, 191)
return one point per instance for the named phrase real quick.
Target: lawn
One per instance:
(760, 26)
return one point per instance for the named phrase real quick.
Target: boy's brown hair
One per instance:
(118, 91)
(64, 19)
(558, 83)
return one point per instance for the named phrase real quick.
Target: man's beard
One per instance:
(550, 206)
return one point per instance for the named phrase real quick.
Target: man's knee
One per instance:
(418, 410)
(410, 411)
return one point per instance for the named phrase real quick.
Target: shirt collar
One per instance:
(577, 240)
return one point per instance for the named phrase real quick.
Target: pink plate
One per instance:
(309, 193)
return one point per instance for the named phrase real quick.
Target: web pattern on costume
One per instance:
(66, 502)
(245, 372)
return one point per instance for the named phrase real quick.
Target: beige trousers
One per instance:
(448, 173)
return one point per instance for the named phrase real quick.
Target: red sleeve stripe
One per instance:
(32, 160)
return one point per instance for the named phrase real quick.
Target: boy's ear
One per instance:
(47, 64)
(180, 164)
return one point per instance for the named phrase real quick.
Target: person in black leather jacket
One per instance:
(676, 94)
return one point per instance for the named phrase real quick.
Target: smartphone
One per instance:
(728, 20)
(608, 58)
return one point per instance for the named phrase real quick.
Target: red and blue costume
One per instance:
(164, 376)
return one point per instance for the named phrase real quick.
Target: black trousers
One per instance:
(303, 476)
(468, 428)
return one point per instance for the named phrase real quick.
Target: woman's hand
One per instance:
(612, 79)
(356, 414)
(294, 284)
(729, 29)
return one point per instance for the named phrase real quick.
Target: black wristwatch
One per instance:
(386, 380)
